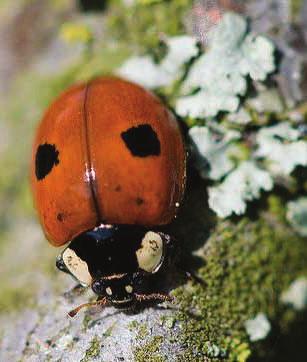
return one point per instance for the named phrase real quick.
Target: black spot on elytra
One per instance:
(47, 156)
(139, 201)
(118, 188)
(60, 217)
(142, 141)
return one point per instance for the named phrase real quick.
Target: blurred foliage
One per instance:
(296, 6)
(140, 26)
(75, 33)
(92, 5)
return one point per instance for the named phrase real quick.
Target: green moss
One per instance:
(277, 206)
(238, 351)
(168, 321)
(108, 332)
(245, 273)
(141, 329)
(239, 153)
(133, 325)
(93, 351)
(86, 321)
(149, 351)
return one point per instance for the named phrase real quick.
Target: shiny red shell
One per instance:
(106, 152)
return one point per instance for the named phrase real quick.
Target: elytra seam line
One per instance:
(89, 166)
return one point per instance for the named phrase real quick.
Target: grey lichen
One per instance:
(296, 294)
(297, 215)
(258, 328)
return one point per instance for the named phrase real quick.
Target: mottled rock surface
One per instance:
(247, 263)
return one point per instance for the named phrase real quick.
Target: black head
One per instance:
(118, 289)
(115, 261)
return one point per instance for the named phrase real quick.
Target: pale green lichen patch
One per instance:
(220, 72)
(282, 148)
(180, 50)
(214, 147)
(296, 294)
(243, 184)
(258, 328)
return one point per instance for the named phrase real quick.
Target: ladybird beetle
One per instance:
(108, 170)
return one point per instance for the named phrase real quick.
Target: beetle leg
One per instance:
(76, 291)
(182, 266)
(192, 276)
(101, 302)
(154, 297)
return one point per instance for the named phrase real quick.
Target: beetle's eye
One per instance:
(97, 287)
(61, 265)
(150, 254)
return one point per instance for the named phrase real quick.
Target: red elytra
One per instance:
(107, 151)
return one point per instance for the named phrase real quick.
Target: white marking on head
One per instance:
(150, 254)
(121, 301)
(129, 289)
(114, 276)
(109, 291)
(77, 266)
